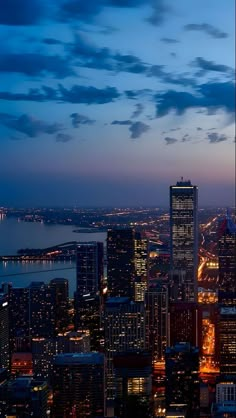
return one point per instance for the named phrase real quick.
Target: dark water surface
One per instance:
(15, 235)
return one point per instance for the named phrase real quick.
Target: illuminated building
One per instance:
(89, 273)
(41, 310)
(182, 381)
(89, 268)
(227, 335)
(225, 405)
(59, 293)
(227, 261)
(19, 319)
(4, 332)
(184, 235)
(79, 385)
(133, 380)
(140, 264)
(21, 364)
(120, 262)
(43, 350)
(156, 302)
(124, 327)
(183, 323)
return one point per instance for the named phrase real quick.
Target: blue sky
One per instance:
(108, 102)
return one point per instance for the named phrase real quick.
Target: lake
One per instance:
(16, 234)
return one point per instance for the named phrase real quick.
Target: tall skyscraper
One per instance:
(60, 293)
(89, 268)
(227, 330)
(182, 381)
(4, 332)
(79, 385)
(120, 262)
(227, 261)
(19, 318)
(41, 314)
(124, 326)
(140, 264)
(184, 235)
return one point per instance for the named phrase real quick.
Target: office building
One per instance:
(227, 336)
(140, 265)
(41, 313)
(184, 236)
(124, 327)
(121, 262)
(184, 322)
(19, 319)
(4, 332)
(227, 261)
(133, 381)
(182, 380)
(60, 293)
(156, 303)
(79, 385)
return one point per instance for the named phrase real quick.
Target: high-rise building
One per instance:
(19, 319)
(121, 262)
(140, 264)
(184, 323)
(156, 302)
(60, 293)
(124, 327)
(133, 381)
(4, 332)
(227, 261)
(79, 385)
(182, 380)
(227, 336)
(41, 314)
(184, 235)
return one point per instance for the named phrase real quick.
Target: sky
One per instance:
(109, 102)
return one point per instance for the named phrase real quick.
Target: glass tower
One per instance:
(184, 236)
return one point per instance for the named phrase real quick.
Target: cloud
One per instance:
(207, 28)
(206, 65)
(199, 129)
(32, 64)
(51, 41)
(139, 110)
(20, 12)
(169, 140)
(215, 138)
(121, 122)
(89, 95)
(28, 125)
(76, 94)
(63, 137)
(169, 40)
(78, 119)
(137, 129)
(210, 96)
(87, 11)
(185, 138)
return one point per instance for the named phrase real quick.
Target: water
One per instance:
(15, 235)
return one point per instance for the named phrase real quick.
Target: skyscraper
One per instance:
(89, 268)
(59, 293)
(227, 330)
(184, 235)
(4, 332)
(79, 385)
(140, 264)
(120, 262)
(227, 261)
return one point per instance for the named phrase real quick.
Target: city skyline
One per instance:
(108, 103)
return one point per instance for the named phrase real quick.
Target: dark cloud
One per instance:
(211, 96)
(207, 28)
(63, 137)
(28, 125)
(32, 64)
(78, 119)
(137, 129)
(173, 54)
(159, 72)
(170, 141)
(51, 41)
(20, 12)
(87, 11)
(214, 138)
(169, 41)
(76, 94)
(88, 95)
(139, 110)
(185, 138)
(199, 129)
(121, 122)
(206, 65)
